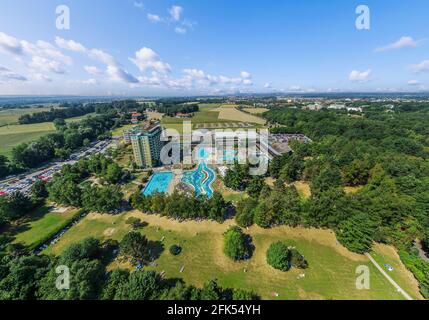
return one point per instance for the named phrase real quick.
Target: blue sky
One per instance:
(156, 47)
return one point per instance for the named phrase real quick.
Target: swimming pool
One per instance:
(201, 180)
(158, 183)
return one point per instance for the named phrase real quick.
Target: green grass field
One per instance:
(11, 116)
(331, 274)
(42, 224)
(13, 135)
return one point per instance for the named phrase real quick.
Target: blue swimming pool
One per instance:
(201, 180)
(158, 183)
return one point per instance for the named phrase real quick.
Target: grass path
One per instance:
(397, 287)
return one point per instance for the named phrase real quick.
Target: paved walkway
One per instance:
(384, 273)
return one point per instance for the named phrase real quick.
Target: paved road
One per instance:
(384, 273)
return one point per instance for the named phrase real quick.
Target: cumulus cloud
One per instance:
(403, 42)
(8, 75)
(175, 12)
(92, 70)
(154, 18)
(46, 65)
(10, 44)
(267, 85)
(70, 45)
(113, 70)
(421, 67)
(360, 76)
(147, 59)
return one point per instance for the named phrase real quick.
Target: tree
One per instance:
(357, 233)
(279, 256)
(135, 246)
(15, 205)
(4, 168)
(236, 244)
(114, 173)
(39, 190)
(175, 250)
(245, 212)
(64, 190)
(116, 285)
(101, 199)
(255, 186)
(143, 285)
(22, 276)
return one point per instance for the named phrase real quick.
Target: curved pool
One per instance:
(201, 180)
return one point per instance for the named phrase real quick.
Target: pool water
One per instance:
(201, 180)
(158, 183)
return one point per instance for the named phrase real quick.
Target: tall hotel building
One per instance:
(147, 145)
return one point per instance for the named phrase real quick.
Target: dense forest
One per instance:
(382, 154)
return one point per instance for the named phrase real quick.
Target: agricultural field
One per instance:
(216, 116)
(11, 116)
(13, 135)
(255, 110)
(331, 273)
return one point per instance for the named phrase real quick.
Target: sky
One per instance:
(211, 47)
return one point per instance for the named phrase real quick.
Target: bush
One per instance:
(136, 223)
(236, 244)
(279, 256)
(175, 250)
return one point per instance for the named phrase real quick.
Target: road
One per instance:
(384, 273)
(25, 181)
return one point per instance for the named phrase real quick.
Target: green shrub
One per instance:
(175, 250)
(237, 245)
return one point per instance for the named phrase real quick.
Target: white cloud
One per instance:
(245, 75)
(120, 75)
(8, 75)
(46, 65)
(403, 42)
(360, 76)
(147, 59)
(41, 77)
(154, 18)
(180, 30)
(175, 12)
(10, 44)
(267, 85)
(421, 67)
(93, 70)
(413, 83)
(70, 45)
(90, 82)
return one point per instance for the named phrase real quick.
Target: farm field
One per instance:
(331, 273)
(42, 224)
(11, 116)
(13, 135)
(234, 114)
(255, 110)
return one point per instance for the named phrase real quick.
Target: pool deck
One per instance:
(177, 178)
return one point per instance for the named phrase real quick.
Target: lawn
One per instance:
(233, 114)
(42, 224)
(331, 274)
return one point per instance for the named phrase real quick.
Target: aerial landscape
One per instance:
(235, 171)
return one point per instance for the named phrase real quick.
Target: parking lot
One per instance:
(24, 182)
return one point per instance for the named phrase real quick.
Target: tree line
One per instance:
(64, 111)
(31, 277)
